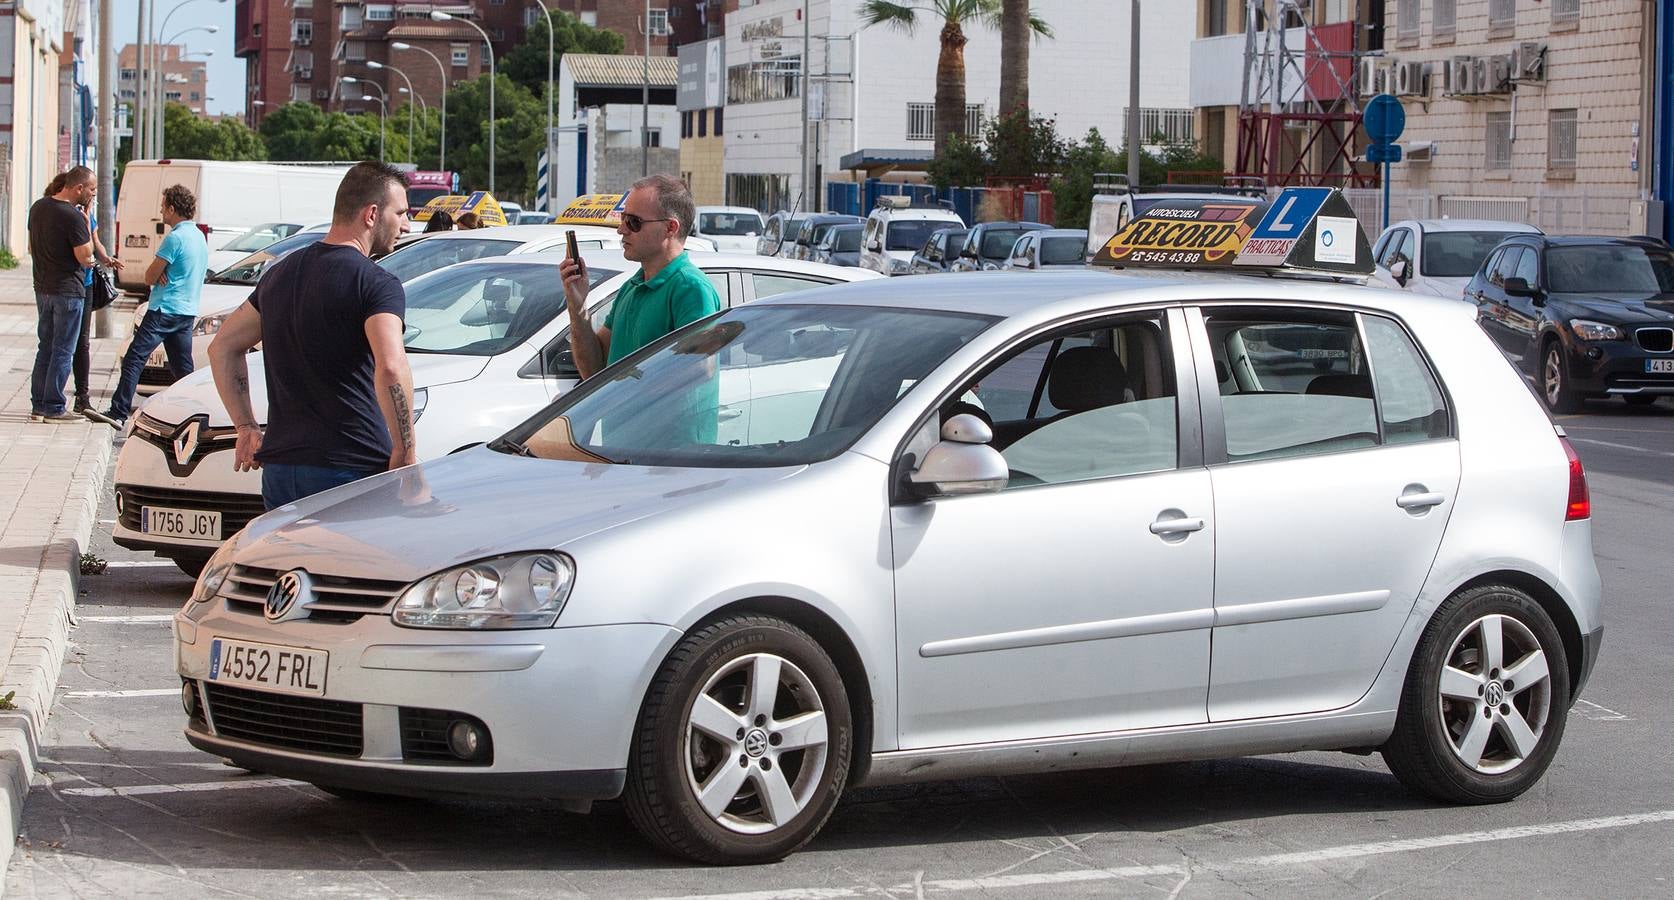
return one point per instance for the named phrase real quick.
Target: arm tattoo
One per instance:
(403, 418)
(242, 383)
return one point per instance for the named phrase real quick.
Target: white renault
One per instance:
(488, 344)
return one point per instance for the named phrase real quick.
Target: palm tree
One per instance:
(1014, 56)
(950, 65)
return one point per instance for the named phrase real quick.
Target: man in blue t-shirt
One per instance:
(330, 323)
(176, 279)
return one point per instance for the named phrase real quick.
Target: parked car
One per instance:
(813, 229)
(488, 343)
(733, 229)
(1438, 256)
(533, 217)
(1052, 248)
(1582, 316)
(988, 244)
(938, 253)
(840, 246)
(897, 229)
(1006, 526)
(778, 233)
(251, 241)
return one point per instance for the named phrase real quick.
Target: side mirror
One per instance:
(1520, 287)
(875, 246)
(1398, 271)
(961, 462)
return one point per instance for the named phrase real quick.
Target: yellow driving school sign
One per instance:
(1185, 232)
(593, 209)
(480, 202)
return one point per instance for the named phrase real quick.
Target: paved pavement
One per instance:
(50, 478)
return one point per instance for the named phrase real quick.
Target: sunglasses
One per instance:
(635, 223)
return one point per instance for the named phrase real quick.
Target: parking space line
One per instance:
(151, 692)
(126, 620)
(1300, 858)
(138, 564)
(1598, 713)
(137, 790)
(1616, 446)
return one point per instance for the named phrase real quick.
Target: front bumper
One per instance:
(558, 705)
(177, 467)
(1613, 368)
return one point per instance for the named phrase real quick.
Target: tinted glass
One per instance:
(756, 386)
(997, 243)
(848, 240)
(910, 234)
(260, 236)
(1062, 251)
(774, 285)
(1609, 269)
(417, 197)
(1458, 254)
(1528, 268)
(730, 224)
(1409, 401)
(249, 269)
(483, 310)
(1505, 265)
(1391, 247)
(422, 257)
(1293, 387)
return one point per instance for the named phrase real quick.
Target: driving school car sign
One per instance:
(1310, 231)
(1183, 232)
(593, 209)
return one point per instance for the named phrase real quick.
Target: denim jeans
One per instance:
(174, 333)
(58, 325)
(282, 484)
(84, 359)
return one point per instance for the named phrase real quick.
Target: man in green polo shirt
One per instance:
(667, 292)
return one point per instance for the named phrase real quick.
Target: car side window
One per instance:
(1507, 266)
(1490, 264)
(1410, 405)
(1021, 250)
(717, 280)
(773, 285)
(1408, 247)
(1297, 384)
(1381, 245)
(1391, 247)
(1088, 404)
(1528, 267)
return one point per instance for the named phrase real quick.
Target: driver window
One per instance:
(1528, 268)
(1507, 265)
(1081, 405)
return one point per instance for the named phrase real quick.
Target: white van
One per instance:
(896, 229)
(233, 197)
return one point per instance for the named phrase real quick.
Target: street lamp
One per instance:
(550, 53)
(442, 142)
(154, 97)
(437, 15)
(372, 64)
(162, 95)
(382, 111)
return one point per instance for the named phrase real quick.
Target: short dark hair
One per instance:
(77, 175)
(364, 184)
(179, 198)
(674, 200)
(440, 220)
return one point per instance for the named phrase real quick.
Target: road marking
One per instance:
(1612, 444)
(151, 692)
(138, 564)
(126, 620)
(1301, 858)
(138, 790)
(1590, 710)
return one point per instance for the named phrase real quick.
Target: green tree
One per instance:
(186, 135)
(950, 63)
(526, 63)
(291, 131)
(520, 123)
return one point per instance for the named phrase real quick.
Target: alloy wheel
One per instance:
(1553, 377)
(1495, 694)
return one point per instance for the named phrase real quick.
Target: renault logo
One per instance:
(291, 590)
(186, 442)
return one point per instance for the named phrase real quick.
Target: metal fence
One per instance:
(1572, 211)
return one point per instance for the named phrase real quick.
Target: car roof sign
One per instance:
(1302, 231)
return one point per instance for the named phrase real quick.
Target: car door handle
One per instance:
(1176, 526)
(1417, 500)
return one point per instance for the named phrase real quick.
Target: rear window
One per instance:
(848, 241)
(1458, 254)
(730, 224)
(420, 257)
(1062, 251)
(997, 243)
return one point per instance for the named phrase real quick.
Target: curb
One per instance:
(43, 633)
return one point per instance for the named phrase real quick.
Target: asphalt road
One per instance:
(127, 808)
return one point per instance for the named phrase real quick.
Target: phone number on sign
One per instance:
(1159, 256)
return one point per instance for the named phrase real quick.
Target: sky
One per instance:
(226, 71)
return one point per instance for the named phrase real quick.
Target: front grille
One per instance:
(236, 509)
(1656, 340)
(162, 434)
(336, 599)
(424, 737)
(309, 724)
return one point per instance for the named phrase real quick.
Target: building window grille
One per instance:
(461, 54)
(1560, 147)
(1176, 126)
(380, 14)
(757, 82)
(760, 192)
(1444, 18)
(1502, 17)
(1406, 20)
(1566, 12)
(349, 18)
(658, 21)
(354, 51)
(1498, 156)
(921, 120)
(302, 32)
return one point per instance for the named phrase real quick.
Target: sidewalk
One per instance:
(50, 479)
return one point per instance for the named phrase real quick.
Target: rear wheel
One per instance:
(743, 745)
(1485, 701)
(1555, 387)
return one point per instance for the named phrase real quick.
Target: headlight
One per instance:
(522, 590)
(1588, 330)
(899, 265)
(214, 575)
(208, 325)
(421, 396)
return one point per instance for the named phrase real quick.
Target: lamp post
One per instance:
(551, 51)
(154, 99)
(442, 142)
(252, 115)
(437, 15)
(382, 107)
(372, 64)
(162, 127)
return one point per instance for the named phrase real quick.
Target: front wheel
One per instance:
(743, 745)
(1555, 388)
(1485, 701)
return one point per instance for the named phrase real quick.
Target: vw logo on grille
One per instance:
(287, 593)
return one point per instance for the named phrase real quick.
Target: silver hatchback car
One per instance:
(876, 534)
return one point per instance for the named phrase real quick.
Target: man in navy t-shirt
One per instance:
(329, 322)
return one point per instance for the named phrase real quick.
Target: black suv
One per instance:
(1584, 316)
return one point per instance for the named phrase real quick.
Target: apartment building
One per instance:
(185, 81)
(32, 139)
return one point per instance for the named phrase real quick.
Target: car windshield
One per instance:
(1458, 254)
(260, 236)
(777, 385)
(911, 234)
(484, 310)
(1610, 269)
(249, 269)
(428, 255)
(1062, 251)
(730, 224)
(847, 240)
(417, 197)
(997, 242)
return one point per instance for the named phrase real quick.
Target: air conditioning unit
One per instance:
(1412, 79)
(1369, 69)
(1500, 73)
(1461, 76)
(1528, 61)
(1481, 76)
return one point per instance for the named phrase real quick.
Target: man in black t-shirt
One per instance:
(61, 246)
(330, 323)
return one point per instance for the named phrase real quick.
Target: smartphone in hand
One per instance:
(569, 242)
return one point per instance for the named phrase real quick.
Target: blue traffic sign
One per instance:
(1383, 153)
(1384, 119)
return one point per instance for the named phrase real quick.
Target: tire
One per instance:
(191, 565)
(712, 673)
(1436, 732)
(1640, 399)
(1555, 387)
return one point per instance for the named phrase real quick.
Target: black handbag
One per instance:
(102, 292)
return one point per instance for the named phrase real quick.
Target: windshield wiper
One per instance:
(507, 445)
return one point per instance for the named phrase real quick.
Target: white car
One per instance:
(1438, 256)
(257, 238)
(778, 555)
(488, 343)
(895, 230)
(733, 229)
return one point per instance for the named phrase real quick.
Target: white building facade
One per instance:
(874, 88)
